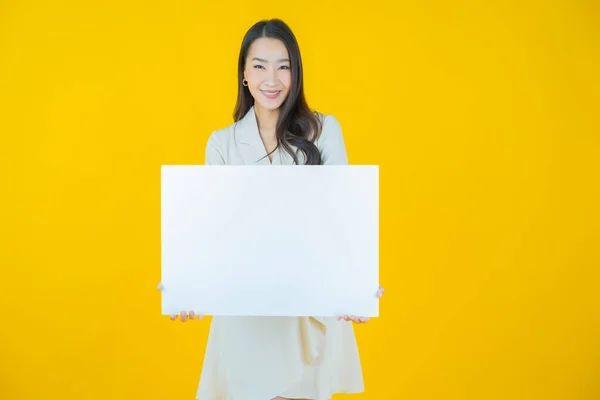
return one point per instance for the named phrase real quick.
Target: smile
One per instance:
(271, 94)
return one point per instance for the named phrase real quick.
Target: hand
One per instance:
(361, 320)
(183, 314)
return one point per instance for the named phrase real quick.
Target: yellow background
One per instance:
(481, 116)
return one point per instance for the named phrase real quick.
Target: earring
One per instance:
(244, 82)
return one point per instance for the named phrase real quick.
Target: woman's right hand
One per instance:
(184, 316)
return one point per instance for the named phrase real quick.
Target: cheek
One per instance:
(286, 80)
(253, 77)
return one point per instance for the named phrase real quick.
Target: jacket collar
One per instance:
(253, 149)
(247, 129)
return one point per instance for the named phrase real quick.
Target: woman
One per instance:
(264, 358)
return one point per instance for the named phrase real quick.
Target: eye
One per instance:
(285, 67)
(258, 66)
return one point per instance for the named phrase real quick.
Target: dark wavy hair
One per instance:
(297, 124)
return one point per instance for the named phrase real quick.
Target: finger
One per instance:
(183, 316)
(339, 318)
(380, 291)
(192, 314)
(160, 286)
(173, 316)
(346, 318)
(200, 317)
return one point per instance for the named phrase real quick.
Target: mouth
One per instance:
(271, 94)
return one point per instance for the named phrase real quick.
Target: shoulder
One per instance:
(330, 128)
(330, 141)
(221, 136)
(217, 145)
(223, 140)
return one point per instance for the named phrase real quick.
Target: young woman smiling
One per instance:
(264, 358)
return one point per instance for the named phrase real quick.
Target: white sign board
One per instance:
(282, 240)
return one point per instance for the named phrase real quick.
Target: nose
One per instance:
(272, 77)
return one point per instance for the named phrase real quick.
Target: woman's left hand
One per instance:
(361, 320)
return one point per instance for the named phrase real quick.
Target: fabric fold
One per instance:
(310, 329)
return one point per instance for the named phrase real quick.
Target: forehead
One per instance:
(267, 48)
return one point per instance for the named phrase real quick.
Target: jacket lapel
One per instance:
(251, 146)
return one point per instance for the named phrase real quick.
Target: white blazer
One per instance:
(240, 144)
(258, 358)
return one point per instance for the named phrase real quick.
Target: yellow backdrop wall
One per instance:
(481, 116)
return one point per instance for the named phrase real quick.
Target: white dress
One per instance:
(259, 358)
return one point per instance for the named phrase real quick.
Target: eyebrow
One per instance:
(263, 60)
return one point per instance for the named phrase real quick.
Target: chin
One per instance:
(270, 106)
(267, 105)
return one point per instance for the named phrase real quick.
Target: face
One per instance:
(268, 72)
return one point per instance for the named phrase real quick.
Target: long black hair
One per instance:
(297, 124)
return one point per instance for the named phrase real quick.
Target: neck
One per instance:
(266, 120)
